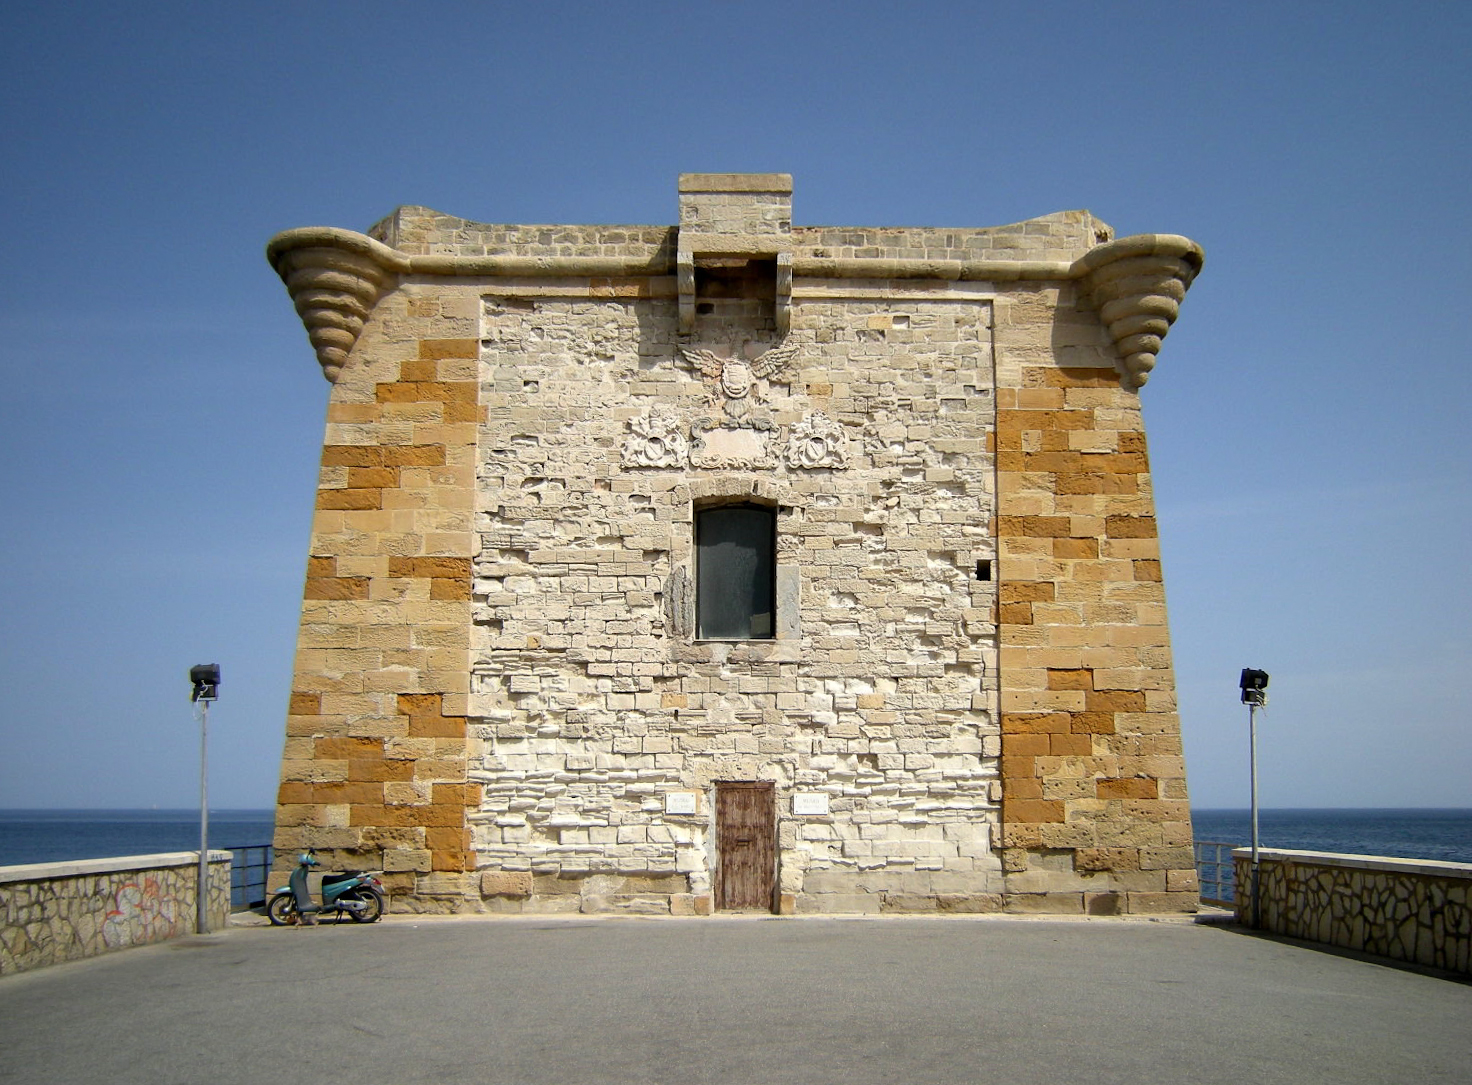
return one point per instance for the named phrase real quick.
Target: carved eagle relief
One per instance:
(730, 380)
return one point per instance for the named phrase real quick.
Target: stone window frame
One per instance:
(709, 611)
(733, 489)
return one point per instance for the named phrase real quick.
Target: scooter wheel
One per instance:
(373, 909)
(282, 910)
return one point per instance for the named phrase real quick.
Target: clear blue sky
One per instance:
(1307, 420)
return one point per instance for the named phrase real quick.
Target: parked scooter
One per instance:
(358, 895)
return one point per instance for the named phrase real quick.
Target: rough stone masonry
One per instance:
(738, 565)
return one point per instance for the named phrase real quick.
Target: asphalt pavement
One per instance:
(740, 999)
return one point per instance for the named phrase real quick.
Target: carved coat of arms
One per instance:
(731, 381)
(654, 440)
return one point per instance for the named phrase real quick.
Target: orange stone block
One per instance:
(437, 815)
(1074, 419)
(449, 348)
(1012, 591)
(1092, 723)
(454, 861)
(347, 793)
(336, 587)
(441, 588)
(1070, 745)
(1131, 787)
(1034, 527)
(317, 566)
(1014, 613)
(292, 791)
(457, 794)
(1034, 723)
(1076, 548)
(350, 499)
(1119, 463)
(420, 704)
(1022, 787)
(436, 726)
(351, 456)
(445, 567)
(1072, 377)
(1010, 460)
(1115, 700)
(1020, 766)
(463, 412)
(373, 476)
(1027, 744)
(343, 748)
(305, 704)
(414, 456)
(447, 839)
(1031, 811)
(377, 770)
(1079, 678)
(1059, 459)
(1130, 527)
(398, 392)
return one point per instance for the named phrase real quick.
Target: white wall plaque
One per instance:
(679, 802)
(810, 802)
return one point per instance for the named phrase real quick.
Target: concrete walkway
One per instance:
(750, 1000)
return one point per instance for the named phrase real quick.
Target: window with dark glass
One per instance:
(735, 573)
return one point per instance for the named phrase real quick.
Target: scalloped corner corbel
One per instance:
(335, 278)
(1137, 285)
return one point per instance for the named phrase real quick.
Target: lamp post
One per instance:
(205, 679)
(1254, 684)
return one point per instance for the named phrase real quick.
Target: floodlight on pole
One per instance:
(205, 680)
(1254, 686)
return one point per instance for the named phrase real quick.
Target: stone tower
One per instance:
(738, 565)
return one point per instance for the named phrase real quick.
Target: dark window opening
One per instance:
(734, 277)
(735, 573)
(983, 570)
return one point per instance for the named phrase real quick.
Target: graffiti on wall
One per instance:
(140, 914)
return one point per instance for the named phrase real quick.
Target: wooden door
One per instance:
(746, 846)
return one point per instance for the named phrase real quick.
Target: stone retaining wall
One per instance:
(1408, 909)
(54, 912)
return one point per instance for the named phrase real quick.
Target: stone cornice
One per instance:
(335, 278)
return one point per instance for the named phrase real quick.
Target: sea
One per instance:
(51, 836)
(1442, 834)
(44, 836)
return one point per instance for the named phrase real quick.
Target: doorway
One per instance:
(746, 846)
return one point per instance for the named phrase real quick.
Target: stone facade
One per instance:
(1411, 910)
(55, 912)
(962, 699)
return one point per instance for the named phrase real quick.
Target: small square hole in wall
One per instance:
(899, 320)
(984, 569)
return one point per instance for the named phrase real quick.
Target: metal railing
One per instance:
(1215, 870)
(248, 876)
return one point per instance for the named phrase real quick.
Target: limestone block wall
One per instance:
(55, 912)
(1406, 909)
(593, 701)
